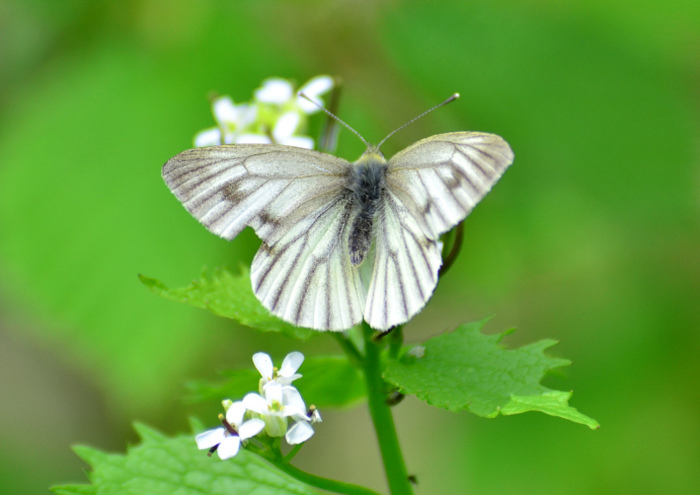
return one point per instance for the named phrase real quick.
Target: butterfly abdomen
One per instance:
(367, 183)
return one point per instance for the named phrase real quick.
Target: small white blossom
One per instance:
(299, 432)
(280, 92)
(275, 116)
(275, 90)
(232, 122)
(277, 404)
(314, 88)
(285, 375)
(302, 430)
(284, 130)
(227, 440)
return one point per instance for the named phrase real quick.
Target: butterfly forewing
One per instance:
(267, 187)
(441, 178)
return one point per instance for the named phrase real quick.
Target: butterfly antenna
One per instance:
(336, 118)
(449, 100)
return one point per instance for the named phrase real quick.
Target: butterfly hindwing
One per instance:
(406, 264)
(306, 277)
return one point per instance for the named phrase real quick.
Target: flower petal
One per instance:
(317, 86)
(286, 126)
(299, 142)
(300, 432)
(209, 438)
(248, 114)
(253, 139)
(293, 403)
(208, 137)
(235, 413)
(314, 88)
(229, 447)
(225, 112)
(256, 403)
(251, 428)
(274, 393)
(263, 363)
(276, 91)
(292, 362)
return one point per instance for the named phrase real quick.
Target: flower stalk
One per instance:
(383, 421)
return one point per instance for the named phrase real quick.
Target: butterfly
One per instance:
(341, 242)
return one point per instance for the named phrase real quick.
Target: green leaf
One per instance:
(228, 295)
(174, 465)
(466, 369)
(331, 381)
(236, 384)
(327, 382)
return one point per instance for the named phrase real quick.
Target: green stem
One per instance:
(324, 483)
(295, 450)
(394, 465)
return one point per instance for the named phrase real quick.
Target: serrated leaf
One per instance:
(466, 369)
(230, 296)
(554, 403)
(163, 465)
(327, 381)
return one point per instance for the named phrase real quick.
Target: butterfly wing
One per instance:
(230, 187)
(441, 178)
(295, 200)
(431, 186)
(306, 276)
(406, 264)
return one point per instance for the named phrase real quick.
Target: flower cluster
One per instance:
(275, 115)
(270, 411)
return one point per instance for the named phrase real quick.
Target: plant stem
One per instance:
(394, 465)
(324, 483)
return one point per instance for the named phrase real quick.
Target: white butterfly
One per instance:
(342, 241)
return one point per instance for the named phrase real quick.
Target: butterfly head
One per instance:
(371, 156)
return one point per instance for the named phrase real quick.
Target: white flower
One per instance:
(288, 111)
(277, 404)
(232, 122)
(276, 115)
(280, 401)
(277, 91)
(302, 430)
(286, 126)
(314, 88)
(227, 440)
(285, 375)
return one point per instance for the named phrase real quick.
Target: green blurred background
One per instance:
(591, 238)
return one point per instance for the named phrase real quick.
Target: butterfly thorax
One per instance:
(366, 183)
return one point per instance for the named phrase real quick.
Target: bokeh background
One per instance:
(591, 238)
